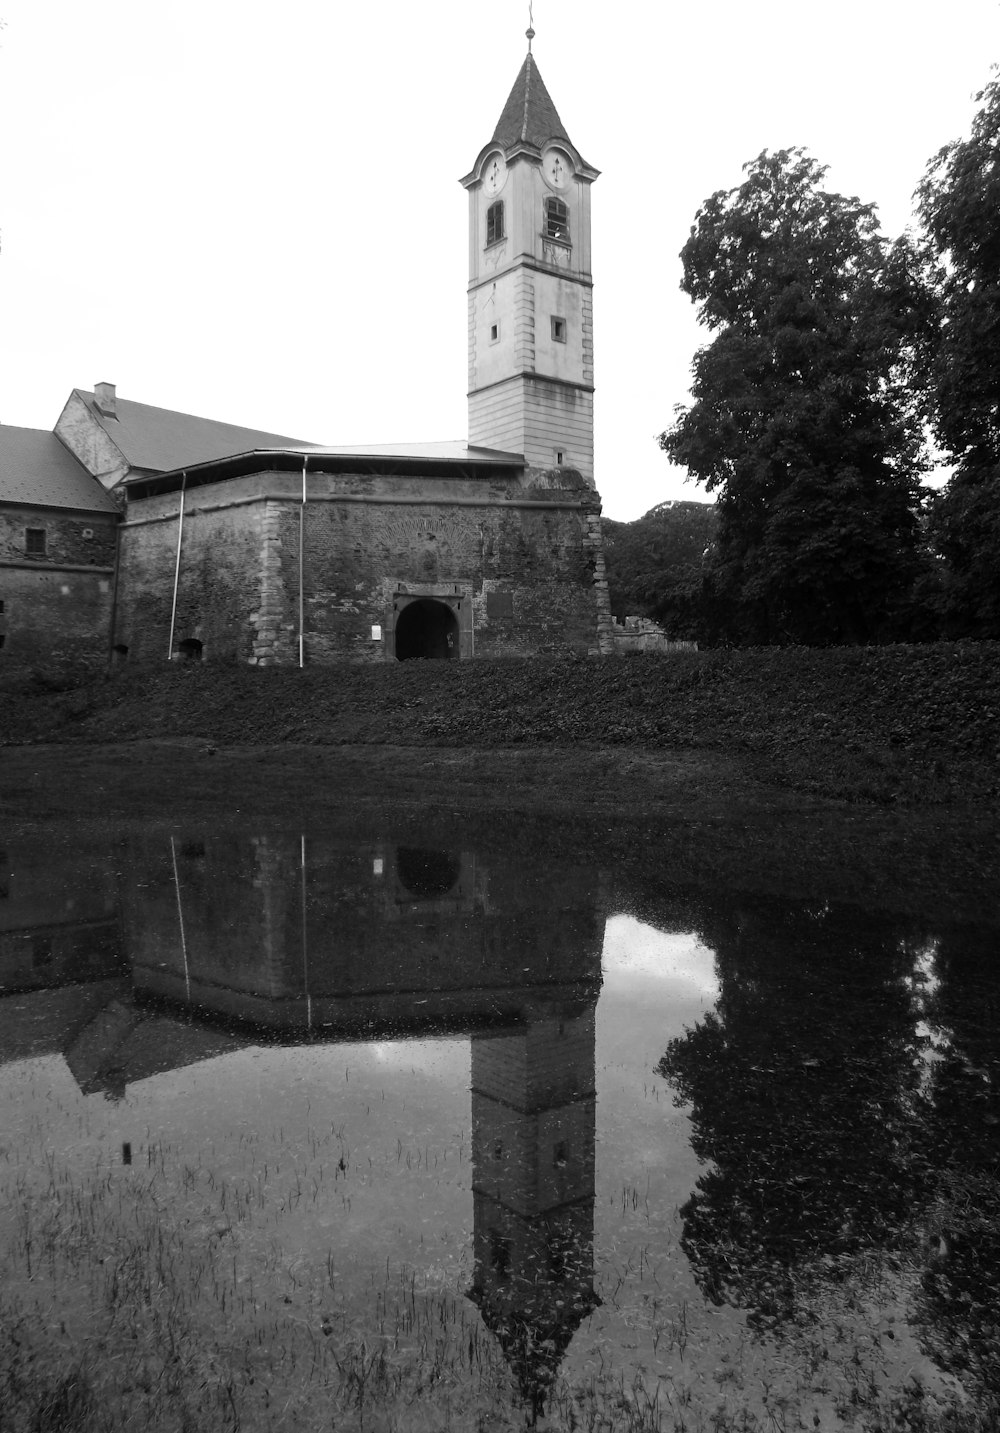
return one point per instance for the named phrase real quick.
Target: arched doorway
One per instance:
(426, 628)
(427, 874)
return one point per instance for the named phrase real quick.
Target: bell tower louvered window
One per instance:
(494, 223)
(556, 220)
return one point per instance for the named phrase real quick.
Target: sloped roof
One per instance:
(418, 459)
(159, 440)
(529, 114)
(35, 469)
(446, 451)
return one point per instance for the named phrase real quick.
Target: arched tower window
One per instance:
(494, 223)
(556, 220)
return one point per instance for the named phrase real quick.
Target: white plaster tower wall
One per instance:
(531, 333)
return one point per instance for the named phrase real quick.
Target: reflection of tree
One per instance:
(802, 1085)
(960, 1286)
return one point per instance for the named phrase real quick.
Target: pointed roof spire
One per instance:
(529, 116)
(529, 122)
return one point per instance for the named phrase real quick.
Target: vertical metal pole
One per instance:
(177, 567)
(302, 556)
(180, 921)
(305, 941)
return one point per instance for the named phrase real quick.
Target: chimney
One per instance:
(104, 398)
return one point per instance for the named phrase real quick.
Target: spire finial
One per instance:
(530, 31)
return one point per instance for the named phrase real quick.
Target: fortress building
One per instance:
(154, 535)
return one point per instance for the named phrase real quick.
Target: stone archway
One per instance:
(427, 874)
(426, 628)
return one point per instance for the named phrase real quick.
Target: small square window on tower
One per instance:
(558, 329)
(34, 541)
(494, 223)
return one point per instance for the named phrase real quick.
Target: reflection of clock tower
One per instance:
(533, 1116)
(531, 335)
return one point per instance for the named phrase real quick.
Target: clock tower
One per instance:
(531, 335)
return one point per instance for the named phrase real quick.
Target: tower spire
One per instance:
(530, 31)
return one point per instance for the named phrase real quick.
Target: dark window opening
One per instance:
(559, 1154)
(559, 457)
(558, 329)
(34, 541)
(558, 1263)
(499, 604)
(494, 223)
(3, 638)
(498, 1149)
(190, 649)
(120, 650)
(499, 1253)
(494, 332)
(556, 220)
(1, 604)
(193, 850)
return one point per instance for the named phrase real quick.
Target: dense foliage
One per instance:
(803, 422)
(655, 565)
(959, 210)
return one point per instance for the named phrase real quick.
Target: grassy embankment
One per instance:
(911, 725)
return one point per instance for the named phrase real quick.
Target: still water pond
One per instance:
(300, 1133)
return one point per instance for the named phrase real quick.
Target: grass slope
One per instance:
(885, 724)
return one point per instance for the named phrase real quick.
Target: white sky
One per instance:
(251, 211)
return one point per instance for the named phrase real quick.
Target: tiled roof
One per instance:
(36, 470)
(159, 440)
(529, 114)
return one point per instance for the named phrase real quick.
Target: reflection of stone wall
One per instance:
(241, 926)
(58, 917)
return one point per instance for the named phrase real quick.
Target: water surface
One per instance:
(300, 1132)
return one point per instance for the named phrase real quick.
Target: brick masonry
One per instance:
(55, 607)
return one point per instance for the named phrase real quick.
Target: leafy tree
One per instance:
(803, 422)
(958, 205)
(655, 564)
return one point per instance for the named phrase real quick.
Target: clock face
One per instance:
(556, 168)
(496, 173)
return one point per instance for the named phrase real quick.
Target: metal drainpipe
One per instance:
(302, 553)
(177, 566)
(114, 591)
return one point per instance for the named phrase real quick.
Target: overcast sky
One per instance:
(251, 211)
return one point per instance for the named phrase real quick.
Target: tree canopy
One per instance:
(959, 210)
(655, 564)
(803, 422)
